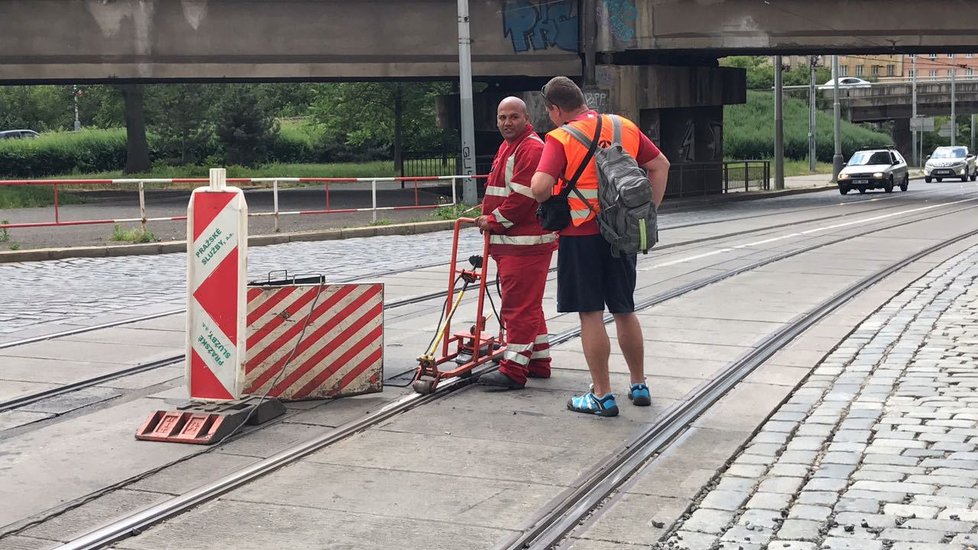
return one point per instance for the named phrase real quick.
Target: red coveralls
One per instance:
(522, 251)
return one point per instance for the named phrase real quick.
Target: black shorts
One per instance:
(589, 277)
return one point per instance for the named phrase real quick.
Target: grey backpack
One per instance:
(627, 218)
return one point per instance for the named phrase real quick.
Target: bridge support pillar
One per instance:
(681, 109)
(902, 137)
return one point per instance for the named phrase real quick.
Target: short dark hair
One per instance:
(564, 93)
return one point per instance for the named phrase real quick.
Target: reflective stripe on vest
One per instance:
(523, 240)
(501, 220)
(575, 152)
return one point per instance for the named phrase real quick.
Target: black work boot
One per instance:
(499, 381)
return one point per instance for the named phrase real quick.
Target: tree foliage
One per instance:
(362, 114)
(760, 72)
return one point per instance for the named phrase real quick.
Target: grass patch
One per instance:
(137, 235)
(33, 196)
(455, 211)
(800, 168)
(4, 234)
(381, 221)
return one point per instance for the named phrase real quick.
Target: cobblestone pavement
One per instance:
(878, 449)
(79, 289)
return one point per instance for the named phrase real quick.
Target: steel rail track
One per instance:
(23, 400)
(573, 506)
(121, 322)
(139, 521)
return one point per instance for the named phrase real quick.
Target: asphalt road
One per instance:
(109, 205)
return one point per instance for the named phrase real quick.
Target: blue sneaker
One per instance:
(592, 404)
(639, 395)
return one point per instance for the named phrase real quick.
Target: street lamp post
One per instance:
(74, 94)
(469, 193)
(778, 125)
(811, 115)
(837, 125)
(954, 120)
(913, 115)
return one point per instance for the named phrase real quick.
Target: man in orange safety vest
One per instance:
(589, 276)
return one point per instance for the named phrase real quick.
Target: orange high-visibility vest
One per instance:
(575, 152)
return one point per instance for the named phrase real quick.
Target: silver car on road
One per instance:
(874, 169)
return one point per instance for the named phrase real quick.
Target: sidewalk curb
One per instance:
(170, 247)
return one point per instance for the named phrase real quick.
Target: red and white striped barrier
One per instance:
(217, 255)
(308, 341)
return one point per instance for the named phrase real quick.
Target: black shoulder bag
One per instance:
(554, 213)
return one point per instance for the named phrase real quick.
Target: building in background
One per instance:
(938, 66)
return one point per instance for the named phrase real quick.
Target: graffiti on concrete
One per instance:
(598, 100)
(715, 143)
(541, 24)
(687, 150)
(622, 15)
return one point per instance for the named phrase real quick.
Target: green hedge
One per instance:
(63, 153)
(92, 151)
(748, 131)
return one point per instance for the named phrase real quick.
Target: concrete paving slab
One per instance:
(10, 389)
(519, 417)
(17, 542)
(270, 439)
(744, 407)
(97, 352)
(689, 463)
(86, 517)
(63, 404)
(174, 374)
(464, 456)
(779, 375)
(53, 371)
(172, 395)
(174, 323)
(636, 519)
(260, 526)
(400, 494)
(340, 411)
(170, 339)
(61, 462)
(16, 418)
(193, 473)
(585, 544)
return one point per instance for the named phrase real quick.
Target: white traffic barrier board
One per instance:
(217, 259)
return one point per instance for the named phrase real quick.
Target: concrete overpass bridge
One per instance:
(652, 60)
(885, 101)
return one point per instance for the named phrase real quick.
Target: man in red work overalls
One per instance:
(520, 247)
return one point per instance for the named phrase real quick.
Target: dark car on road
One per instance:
(874, 169)
(18, 134)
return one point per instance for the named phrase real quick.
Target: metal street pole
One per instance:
(811, 116)
(972, 134)
(470, 195)
(837, 123)
(954, 120)
(915, 159)
(778, 125)
(74, 92)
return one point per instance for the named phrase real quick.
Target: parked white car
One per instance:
(847, 82)
(950, 162)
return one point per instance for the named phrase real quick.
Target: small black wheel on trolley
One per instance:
(424, 386)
